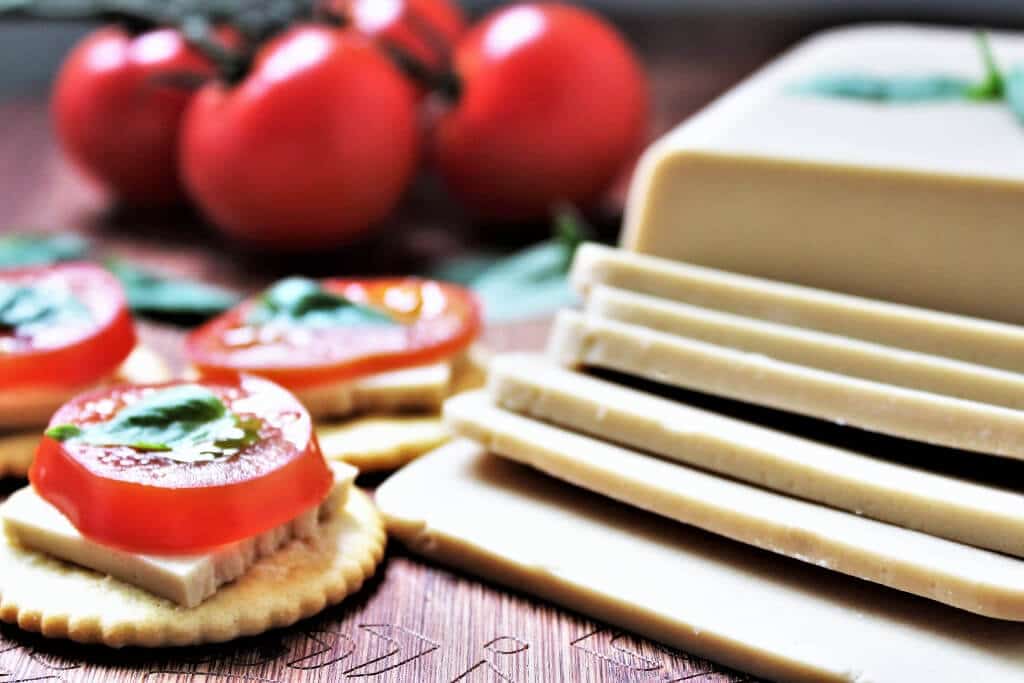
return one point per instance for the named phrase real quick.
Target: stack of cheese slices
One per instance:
(638, 400)
(801, 484)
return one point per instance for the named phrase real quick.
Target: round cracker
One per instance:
(60, 600)
(376, 443)
(142, 366)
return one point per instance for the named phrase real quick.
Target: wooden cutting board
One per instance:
(413, 623)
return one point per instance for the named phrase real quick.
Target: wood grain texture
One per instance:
(413, 623)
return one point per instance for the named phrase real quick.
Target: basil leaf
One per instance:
(1015, 91)
(20, 250)
(993, 86)
(299, 300)
(25, 309)
(188, 423)
(893, 89)
(528, 284)
(157, 295)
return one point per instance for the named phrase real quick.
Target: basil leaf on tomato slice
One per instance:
(188, 423)
(302, 301)
(27, 308)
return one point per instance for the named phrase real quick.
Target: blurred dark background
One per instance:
(29, 54)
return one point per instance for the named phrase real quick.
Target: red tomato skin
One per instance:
(311, 150)
(554, 105)
(86, 358)
(183, 509)
(413, 25)
(117, 125)
(445, 335)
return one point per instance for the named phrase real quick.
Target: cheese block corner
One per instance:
(913, 202)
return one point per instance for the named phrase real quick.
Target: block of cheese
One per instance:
(912, 202)
(33, 523)
(942, 506)
(916, 329)
(583, 340)
(811, 348)
(970, 578)
(745, 608)
(419, 388)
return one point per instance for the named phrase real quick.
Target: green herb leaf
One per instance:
(63, 432)
(24, 309)
(303, 301)
(19, 250)
(1014, 85)
(993, 85)
(892, 89)
(911, 89)
(188, 423)
(158, 295)
(529, 283)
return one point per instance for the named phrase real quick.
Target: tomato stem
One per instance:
(442, 81)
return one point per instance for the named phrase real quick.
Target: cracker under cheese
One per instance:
(34, 523)
(61, 600)
(384, 439)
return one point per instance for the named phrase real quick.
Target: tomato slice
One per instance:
(149, 502)
(434, 320)
(89, 333)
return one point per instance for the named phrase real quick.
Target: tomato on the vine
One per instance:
(315, 145)
(553, 105)
(426, 29)
(115, 118)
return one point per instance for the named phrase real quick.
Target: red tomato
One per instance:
(117, 123)
(311, 149)
(436, 320)
(71, 350)
(553, 106)
(427, 29)
(148, 502)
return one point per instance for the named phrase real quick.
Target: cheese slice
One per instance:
(813, 349)
(33, 523)
(972, 579)
(916, 329)
(912, 202)
(748, 609)
(909, 413)
(942, 506)
(419, 388)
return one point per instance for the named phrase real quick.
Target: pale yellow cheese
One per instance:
(33, 523)
(918, 203)
(813, 349)
(915, 329)
(972, 579)
(419, 388)
(942, 506)
(897, 411)
(745, 608)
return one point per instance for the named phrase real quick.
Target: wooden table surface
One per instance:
(413, 622)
